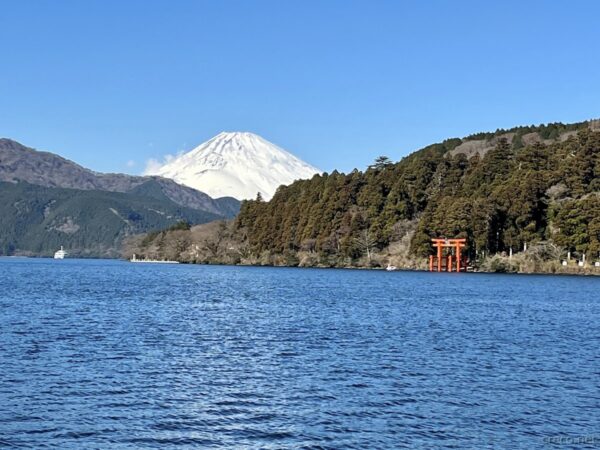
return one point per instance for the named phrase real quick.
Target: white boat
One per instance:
(134, 259)
(60, 254)
(390, 268)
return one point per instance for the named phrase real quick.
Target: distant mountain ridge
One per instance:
(21, 163)
(47, 201)
(236, 164)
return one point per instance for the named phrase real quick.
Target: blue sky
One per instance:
(111, 84)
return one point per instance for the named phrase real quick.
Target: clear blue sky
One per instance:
(107, 83)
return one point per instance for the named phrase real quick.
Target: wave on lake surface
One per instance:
(106, 354)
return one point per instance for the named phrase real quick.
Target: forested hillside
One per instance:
(538, 186)
(514, 193)
(37, 220)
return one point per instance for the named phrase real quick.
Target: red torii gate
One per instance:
(436, 261)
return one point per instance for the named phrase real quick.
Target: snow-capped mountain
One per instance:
(235, 164)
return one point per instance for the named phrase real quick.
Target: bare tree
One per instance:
(213, 242)
(366, 243)
(175, 243)
(308, 245)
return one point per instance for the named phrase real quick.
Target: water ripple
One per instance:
(104, 354)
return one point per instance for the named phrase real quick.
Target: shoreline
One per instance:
(584, 272)
(574, 271)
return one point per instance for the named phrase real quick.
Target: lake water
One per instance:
(109, 354)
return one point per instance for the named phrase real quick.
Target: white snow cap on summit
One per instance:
(236, 165)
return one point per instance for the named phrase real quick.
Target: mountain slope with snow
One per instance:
(237, 165)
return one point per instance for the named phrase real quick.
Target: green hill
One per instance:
(500, 190)
(37, 220)
(47, 201)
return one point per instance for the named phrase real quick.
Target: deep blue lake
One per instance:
(109, 354)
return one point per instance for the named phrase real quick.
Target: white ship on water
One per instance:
(60, 254)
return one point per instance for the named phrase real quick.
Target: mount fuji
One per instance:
(234, 164)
